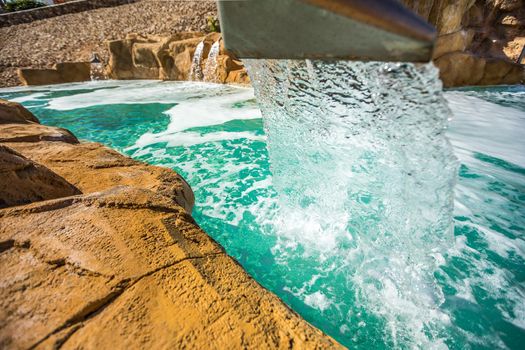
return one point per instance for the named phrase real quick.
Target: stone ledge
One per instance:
(466, 69)
(67, 72)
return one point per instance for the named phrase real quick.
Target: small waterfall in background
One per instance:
(365, 179)
(196, 70)
(96, 68)
(210, 70)
(97, 71)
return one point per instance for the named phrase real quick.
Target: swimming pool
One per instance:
(213, 135)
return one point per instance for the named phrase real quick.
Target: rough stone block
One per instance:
(67, 72)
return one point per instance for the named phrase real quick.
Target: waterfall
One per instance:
(210, 70)
(363, 172)
(195, 69)
(97, 71)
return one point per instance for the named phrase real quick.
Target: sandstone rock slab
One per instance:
(12, 113)
(24, 181)
(66, 72)
(152, 56)
(478, 41)
(93, 167)
(464, 69)
(125, 269)
(457, 41)
(34, 133)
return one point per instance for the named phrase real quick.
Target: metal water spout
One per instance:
(365, 30)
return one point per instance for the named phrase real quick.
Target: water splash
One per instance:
(210, 70)
(196, 69)
(97, 71)
(363, 170)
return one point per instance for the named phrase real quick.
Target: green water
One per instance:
(213, 136)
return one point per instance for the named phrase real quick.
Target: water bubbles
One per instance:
(372, 191)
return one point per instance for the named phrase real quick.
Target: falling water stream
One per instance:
(210, 70)
(363, 170)
(195, 69)
(96, 71)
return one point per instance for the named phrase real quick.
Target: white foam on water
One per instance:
(486, 127)
(214, 108)
(519, 313)
(317, 300)
(133, 92)
(29, 98)
(217, 185)
(309, 230)
(211, 111)
(192, 112)
(71, 86)
(501, 244)
(195, 138)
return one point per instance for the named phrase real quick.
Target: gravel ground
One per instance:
(74, 37)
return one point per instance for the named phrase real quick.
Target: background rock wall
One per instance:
(19, 17)
(170, 58)
(494, 28)
(479, 40)
(74, 37)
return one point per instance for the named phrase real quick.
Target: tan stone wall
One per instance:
(67, 72)
(479, 40)
(170, 58)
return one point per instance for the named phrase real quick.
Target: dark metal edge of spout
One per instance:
(390, 15)
(365, 30)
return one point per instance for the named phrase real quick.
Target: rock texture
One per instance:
(170, 58)
(68, 72)
(463, 69)
(24, 181)
(122, 265)
(479, 40)
(92, 167)
(34, 132)
(11, 112)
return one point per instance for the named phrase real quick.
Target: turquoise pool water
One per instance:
(213, 136)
